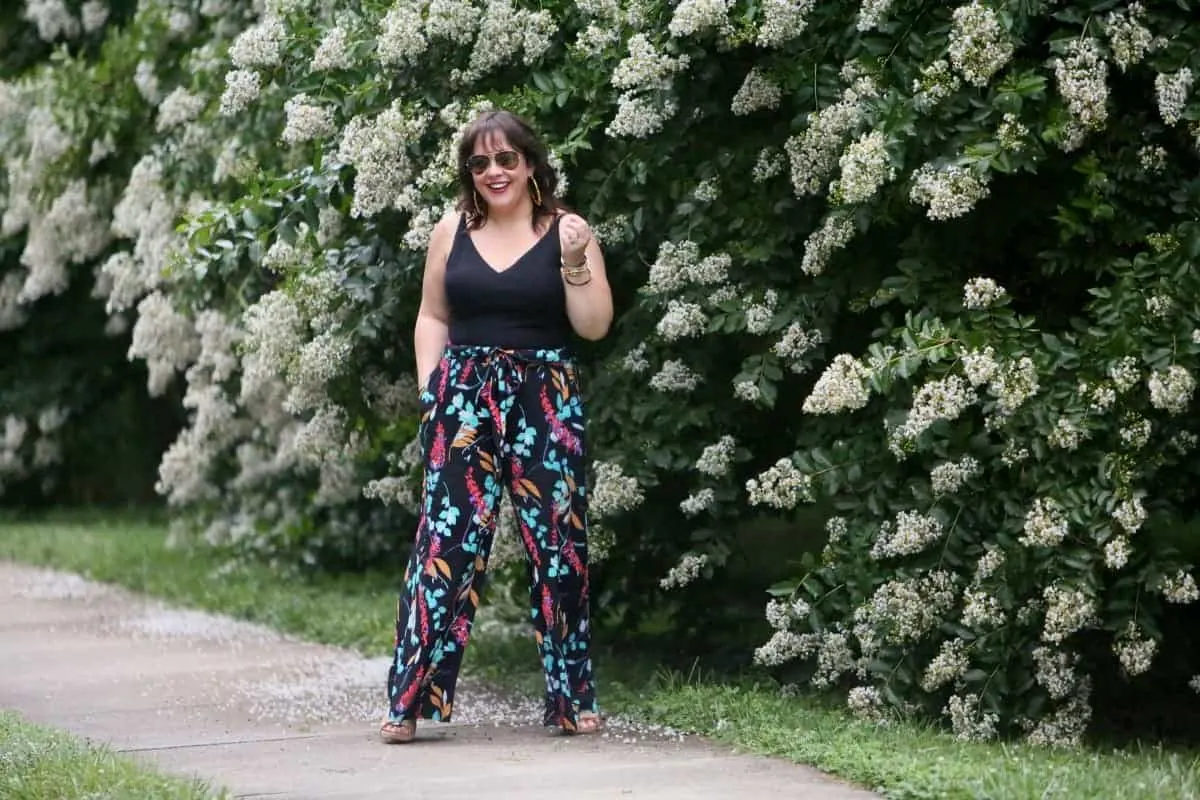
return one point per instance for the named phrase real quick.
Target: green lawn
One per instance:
(901, 760)
(38, 763)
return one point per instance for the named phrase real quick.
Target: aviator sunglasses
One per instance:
(505, 159)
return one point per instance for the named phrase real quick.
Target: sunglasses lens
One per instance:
(508, 159)
(478, 164)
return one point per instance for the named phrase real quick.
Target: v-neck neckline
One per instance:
(519, 258)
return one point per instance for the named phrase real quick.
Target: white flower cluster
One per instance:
(871, 13)
(842, 387)
(1129, 41)
(814, 153)
(1158, 306)
(1117, 552)
(274, 333)
(1171, 389)
(1015, 384)
(947, 666)
(783, 21)
(1125, 374)
(981, 293)
(949, 477)
(640, 117)
(836, 528)
(1067, 611)
(1045, 524)
(937, 400)
(1179, 588)
(969, 722)
(1135, 431)
(679, 263)
(401, 40)
(979, 45)
(698, 502)
(260, 45)
(682, 320)
(74, 230)
(782, 614)
(505, 31)
(178, 108)
(612, 491)
(1134, 651)
(635, 360)
(1130, 515)
(1153, 158)
(759, 315)
(1011, 133)
(937, 82)
(675, 376)
(992, 560)
(1066, 435)
(378, 150)
(318, 362)
(780, 486)
(692, 17)
(715, 458)
(948, 191)
(911, 533)
(904, 611)
(644, 69)
(980, 366)
(52, 18)
(769, 163)
(1082, 76)
(834, 659)
(836, 231)
(795, 344)
(687, 570)
(785, 646)
(758, 92)
(1172, 91)
(865, 167)
(306, 121)
(866, 703)
(1066, 726)
(1055, 671)
(164, 339)
(333, 52)
(981, 610)
(242, 87)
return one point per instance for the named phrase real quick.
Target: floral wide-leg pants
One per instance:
(493, 419)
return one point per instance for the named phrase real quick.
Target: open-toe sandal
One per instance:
(401, 732)
(588, 723)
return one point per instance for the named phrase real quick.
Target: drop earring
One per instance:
(535, 191)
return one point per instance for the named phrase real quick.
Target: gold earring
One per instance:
(535, 191)
(475, 197)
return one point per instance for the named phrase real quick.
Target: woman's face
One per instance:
(499, 171)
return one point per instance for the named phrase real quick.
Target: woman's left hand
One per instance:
(573, 236)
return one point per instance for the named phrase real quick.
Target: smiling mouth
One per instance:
(499, 186)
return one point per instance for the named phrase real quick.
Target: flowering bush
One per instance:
(926, 263)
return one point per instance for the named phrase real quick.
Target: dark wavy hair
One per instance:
(520, 135)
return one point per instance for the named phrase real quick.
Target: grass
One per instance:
(38, 763)
(903, 760)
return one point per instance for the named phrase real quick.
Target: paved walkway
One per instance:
(271, 717)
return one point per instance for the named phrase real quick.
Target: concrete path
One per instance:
(267, 716)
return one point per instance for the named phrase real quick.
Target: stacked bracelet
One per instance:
(573, 274)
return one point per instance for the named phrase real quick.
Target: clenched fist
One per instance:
(573, 236)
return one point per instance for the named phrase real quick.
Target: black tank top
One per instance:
(525, 306)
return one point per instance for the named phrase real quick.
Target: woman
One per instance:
(507, 280)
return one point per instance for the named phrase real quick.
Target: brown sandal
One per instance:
(401, 732)
(587, 723)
